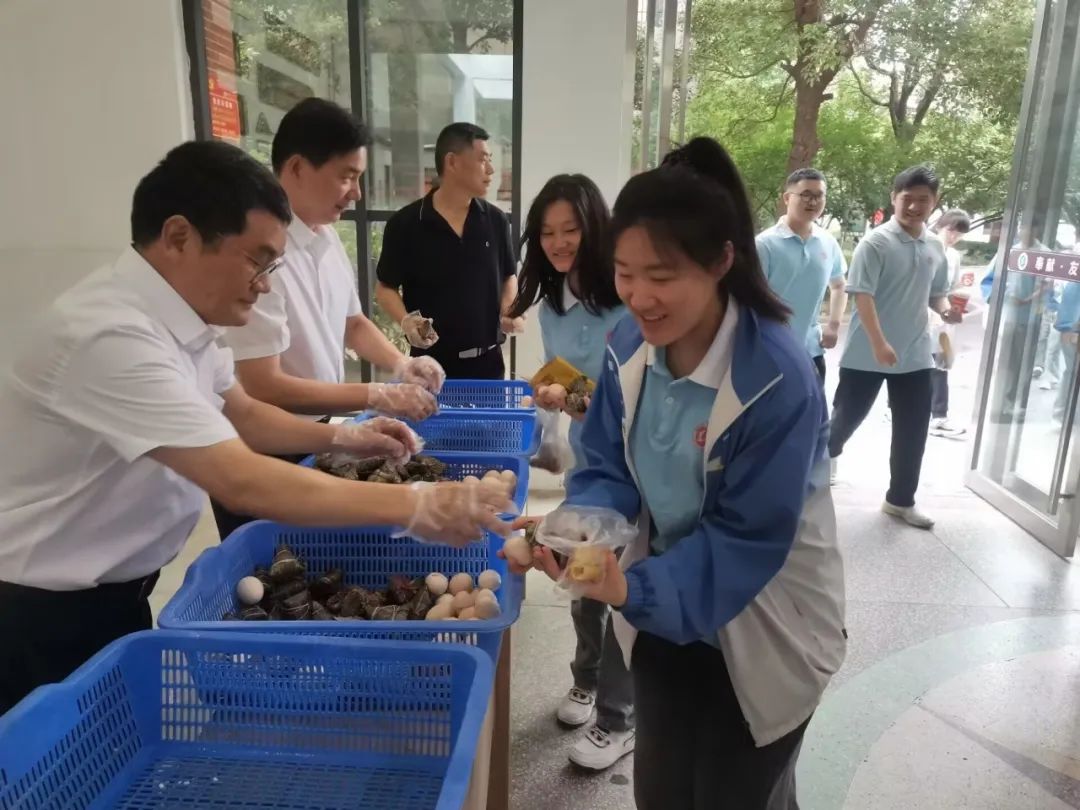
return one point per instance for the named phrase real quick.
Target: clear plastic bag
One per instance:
(554, 454)
(583, 535)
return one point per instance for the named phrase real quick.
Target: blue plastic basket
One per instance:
(165, 719)
(467, 431)
(459, 465)
(496, 395)
(367, 556)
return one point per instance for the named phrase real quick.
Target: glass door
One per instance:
(1023, 460)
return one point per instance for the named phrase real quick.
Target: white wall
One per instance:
(577, 99)
(93, 94)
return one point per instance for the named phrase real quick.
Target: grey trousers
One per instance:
(598, 665)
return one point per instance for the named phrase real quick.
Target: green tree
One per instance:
(968, 54)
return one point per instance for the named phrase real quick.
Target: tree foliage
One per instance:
(883, 86)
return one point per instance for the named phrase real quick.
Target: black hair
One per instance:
(695, 203)
(317, 130)
(916, 176)
(212, 184)
(456, 137)
(955, 218)
(595, 271)
(799, 175)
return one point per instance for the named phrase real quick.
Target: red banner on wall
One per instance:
(224, 111)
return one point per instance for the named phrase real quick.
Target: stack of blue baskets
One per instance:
(212, 713)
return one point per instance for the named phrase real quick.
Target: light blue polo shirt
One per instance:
(903, 273)
(667, 440)
(580, 338)
(799, 271)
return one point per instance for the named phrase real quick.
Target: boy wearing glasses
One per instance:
(801, 260)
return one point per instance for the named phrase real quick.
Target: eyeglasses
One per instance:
(812, 197)
(265, 271)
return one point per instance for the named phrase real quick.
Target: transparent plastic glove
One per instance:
(512, 326)
(457, 513)
(419, 331)
(402, 399)
(381, 436)
(423, 371)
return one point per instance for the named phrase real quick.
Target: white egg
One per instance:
(467, 613)
(489, 579)
(250, 590)
(440, 612)
(461, 582)
(445, 599)
(517, 548)
(526, 402)
(462, 600)
(437, 583)
(484, 594)
(486, 609)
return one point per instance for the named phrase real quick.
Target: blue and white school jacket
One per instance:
(761, 576)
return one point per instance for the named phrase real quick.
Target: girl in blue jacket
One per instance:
(708, 427)
(567, 269)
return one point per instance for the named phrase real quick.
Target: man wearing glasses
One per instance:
(291, 352)
(801, 260)
(448, 257)
(121, 411)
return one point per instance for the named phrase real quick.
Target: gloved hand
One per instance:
(512, 326)
(423, 371)
(402, 399)
(457, 513)
(381, 436)
(419, 331)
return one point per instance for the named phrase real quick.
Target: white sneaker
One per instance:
(577, 707)
(909, 514)
(598, 749)
(946, 429)
(832, 471)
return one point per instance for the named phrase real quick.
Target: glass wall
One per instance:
(408, 67)
(1023, 460)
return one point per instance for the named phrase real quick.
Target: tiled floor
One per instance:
(960, 688)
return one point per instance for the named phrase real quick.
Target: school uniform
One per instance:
(733, 623)
(302, 320)
(118, 366)
(580, 337)
(903, 274)
(800, 271)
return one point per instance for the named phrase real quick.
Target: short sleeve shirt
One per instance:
(118, 366)
(799, 271)
(455, 280)
(303, 317)
(903, 273)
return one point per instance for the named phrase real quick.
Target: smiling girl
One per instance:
(567, 268)
(709, 427)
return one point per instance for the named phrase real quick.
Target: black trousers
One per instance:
(694, 750)
(47, 635)
(939, 393)
(909, 398)
(228, 522)
(488, 366)
(819, 366)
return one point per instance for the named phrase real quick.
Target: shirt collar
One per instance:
(894, 226)
(784, 230)
(569, 300)
(315, 242)
(164, 303)
(717, 360)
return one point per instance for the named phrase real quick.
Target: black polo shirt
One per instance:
(456, 281)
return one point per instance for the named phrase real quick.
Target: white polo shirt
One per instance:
(303, 317)
(118, 366)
